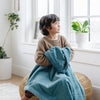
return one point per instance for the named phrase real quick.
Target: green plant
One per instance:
(80, 27)
(2, 53)
(13, 18)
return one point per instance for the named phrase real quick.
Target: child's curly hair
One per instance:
(46, 21)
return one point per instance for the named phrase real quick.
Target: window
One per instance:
(88, 10)
(34, 10)
(43, 7)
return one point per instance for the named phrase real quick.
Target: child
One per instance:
(50, 27)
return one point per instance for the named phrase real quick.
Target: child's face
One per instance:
(55, 28)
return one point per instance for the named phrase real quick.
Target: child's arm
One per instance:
(68, 45)
(40, 58)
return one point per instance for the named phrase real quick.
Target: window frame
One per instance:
(35, 12)
(71, 3)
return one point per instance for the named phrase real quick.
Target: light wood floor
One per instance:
(14, 80)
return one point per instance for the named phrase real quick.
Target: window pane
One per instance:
(94, 7)
(42, 8)
(51, 6)
(95, 29)
(80, 19)
(80, 7)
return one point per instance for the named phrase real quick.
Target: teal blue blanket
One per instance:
(57, 81)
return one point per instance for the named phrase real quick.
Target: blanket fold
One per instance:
(57, 81)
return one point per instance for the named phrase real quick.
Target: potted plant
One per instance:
(82, 30)
(5, 61)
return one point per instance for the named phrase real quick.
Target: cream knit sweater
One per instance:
(45, 44)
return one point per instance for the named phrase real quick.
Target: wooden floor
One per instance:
(14, 80)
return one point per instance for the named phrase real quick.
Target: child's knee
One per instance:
(28, 94)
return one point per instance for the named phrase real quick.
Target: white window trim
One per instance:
(69, 14)
(29, 37)
(94, 45)
(34, 43)
(36, 18)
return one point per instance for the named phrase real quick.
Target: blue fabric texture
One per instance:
(57, 81)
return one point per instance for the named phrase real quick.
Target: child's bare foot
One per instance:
(24, 98)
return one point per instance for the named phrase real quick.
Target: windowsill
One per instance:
(30, 47)
(91, 50)
(92, 47)
(84, 56)
(29, 44)
(87, 49)
(33, 43)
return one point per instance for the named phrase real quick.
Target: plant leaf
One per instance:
(85, 24)
(76, 26)
(2, 53)
(80, 28)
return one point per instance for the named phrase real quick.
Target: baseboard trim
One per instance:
(20, 70)
(96, 93)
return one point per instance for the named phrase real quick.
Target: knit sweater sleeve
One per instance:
(40, 58)
(65, 42)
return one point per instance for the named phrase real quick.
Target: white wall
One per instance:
(14, 44)
(22, 63)
(5, 8)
